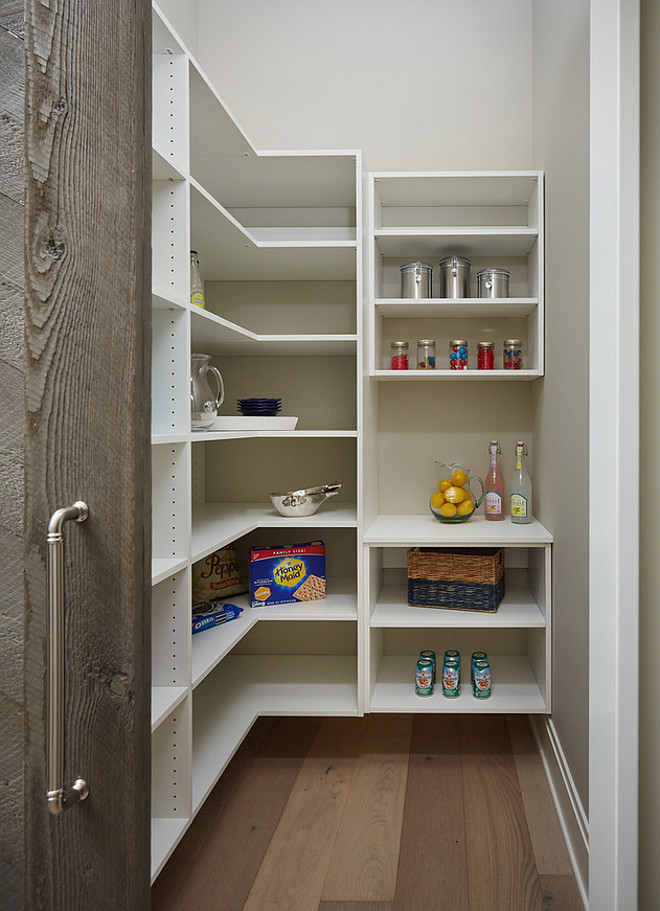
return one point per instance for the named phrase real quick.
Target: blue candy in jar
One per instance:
(458, 354)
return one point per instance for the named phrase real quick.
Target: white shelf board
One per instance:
(165, 835)
(212, 645)
(245, 686)
(163, 168)
(445, 308)
(163, 568)
(304, 180)
(458, 376)
(426, 531)
(218, 336)
(423, 243)
(518, 610)
(230, 252)
(217, 524)
(514, 689)
(164, 699)
(161, 439)
(458, 188)
(163, 300)
(202, 437)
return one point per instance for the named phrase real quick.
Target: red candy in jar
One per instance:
(458, 354)
(512, 359)
(399, 355)
(485, 355)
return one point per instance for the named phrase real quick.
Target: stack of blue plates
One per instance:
(259, 407)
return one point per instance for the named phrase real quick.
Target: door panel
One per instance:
(87, 396)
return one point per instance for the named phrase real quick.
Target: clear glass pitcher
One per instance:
(204, 401)
(454, 500)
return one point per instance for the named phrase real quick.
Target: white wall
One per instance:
(561, 431)
(416, 85)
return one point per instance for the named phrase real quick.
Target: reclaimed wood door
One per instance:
(87, 318)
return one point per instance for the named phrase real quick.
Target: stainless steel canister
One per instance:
(455, 276)
(416, 280)
(493, 283)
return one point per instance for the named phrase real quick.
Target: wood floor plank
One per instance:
(501, 867)
(364, 861)
(217, 860)
(296, 863)
(432, 872)
(355, 906)
(560, 893)
(544, 829)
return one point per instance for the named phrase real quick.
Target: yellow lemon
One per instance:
(448, 510)
(437, 500)
(455, 495)
(444, 484)
(459, 477)
(465, 508)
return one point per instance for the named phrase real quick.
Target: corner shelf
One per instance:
(218, 524)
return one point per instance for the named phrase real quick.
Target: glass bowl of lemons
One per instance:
(454, 501)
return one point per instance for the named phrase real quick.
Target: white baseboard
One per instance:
(572, 818)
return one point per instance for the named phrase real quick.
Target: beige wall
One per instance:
(649, 720)
(561, 429)
(416, 85)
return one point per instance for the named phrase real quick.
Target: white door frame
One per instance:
(614, 445)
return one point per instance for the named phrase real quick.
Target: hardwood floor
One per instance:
(381, 813)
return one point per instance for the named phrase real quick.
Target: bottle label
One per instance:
(493, 503)
(197, 298)
(518, 506)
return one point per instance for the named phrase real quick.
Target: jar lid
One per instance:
(512, 341)
(417, 265)
(485, 344)
(398, 344)
(426, 341)
(460, 342)
(493, 272)
(455, 261)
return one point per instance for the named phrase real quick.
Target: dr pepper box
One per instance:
(287, 575)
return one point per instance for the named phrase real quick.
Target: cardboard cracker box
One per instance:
(287, 575)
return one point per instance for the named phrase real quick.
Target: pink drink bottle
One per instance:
(494, 499)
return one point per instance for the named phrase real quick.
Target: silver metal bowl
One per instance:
(304, 502)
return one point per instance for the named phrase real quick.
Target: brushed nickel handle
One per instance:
(59, 798)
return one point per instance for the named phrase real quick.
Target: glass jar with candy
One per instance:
(399, 355)
(485, 355)
(458, 354)
(512, 354)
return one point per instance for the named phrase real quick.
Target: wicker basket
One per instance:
(456, 578)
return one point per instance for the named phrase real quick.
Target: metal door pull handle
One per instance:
(59, 798)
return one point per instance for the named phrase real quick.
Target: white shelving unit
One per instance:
(280, 241)
(494, 219)
(276, 236)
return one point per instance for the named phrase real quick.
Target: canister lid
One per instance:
(513, 342)
(485, 344)
(426, 341)
(493, 272)
(398, 344)
(416, 265)
(458, 341)
(456, 261)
